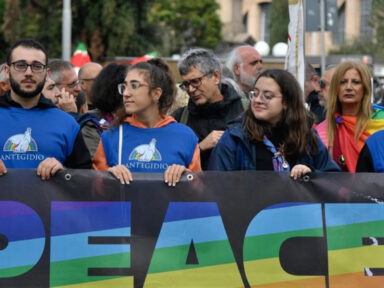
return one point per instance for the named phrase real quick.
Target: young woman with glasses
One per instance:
(275, 132)
(147, 140)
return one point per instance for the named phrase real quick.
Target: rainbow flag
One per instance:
(346, 129)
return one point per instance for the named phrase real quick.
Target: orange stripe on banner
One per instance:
(356, 280)
(318, 282)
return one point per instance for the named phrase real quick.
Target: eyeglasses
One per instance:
(323, 84)
(131, 86)
(195, 83)
(265, 96)
(70, 85)
(87, 79)
(21, 66)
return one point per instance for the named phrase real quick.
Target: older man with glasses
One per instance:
(64, 75)
(212, 103)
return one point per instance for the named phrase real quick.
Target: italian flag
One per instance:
(146, 57)
(80, 56)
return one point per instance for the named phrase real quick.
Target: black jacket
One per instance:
(203, 119)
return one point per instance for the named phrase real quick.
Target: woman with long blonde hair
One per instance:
(351, 117)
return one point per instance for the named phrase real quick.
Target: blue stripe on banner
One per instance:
(203, 229)
(114, 215)
(76, 246)
(270, 220)
(180, 211)
(18, 228)
(345, 213)
(22, 253)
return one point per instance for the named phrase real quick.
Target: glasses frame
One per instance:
(122, 86)
(87, 79)
(185, 84)
(252, 95)
(28, 65)
(322, 84)
(70, 85)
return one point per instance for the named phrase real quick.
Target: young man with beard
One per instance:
(34, 133)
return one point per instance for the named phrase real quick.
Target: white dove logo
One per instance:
(21, 143)
(146, 152)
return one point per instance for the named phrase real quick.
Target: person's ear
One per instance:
(156, 93)
(216, 76)
(236, 69)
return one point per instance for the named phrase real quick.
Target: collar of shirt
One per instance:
(7, 101)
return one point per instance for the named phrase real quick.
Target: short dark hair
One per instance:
(80, 100)
(28, 43)
(104, 94)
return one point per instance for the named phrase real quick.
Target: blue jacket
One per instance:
(235, 152)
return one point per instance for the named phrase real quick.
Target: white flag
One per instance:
(294, 61)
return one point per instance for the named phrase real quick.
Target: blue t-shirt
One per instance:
(150, 149)
(28, 136)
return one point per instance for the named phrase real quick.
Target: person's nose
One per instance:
(191, 88)
(28, 71)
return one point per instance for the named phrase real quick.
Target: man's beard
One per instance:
(247, 80)
(24, 94)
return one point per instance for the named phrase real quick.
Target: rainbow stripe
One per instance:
(73, 222)
(10, 146)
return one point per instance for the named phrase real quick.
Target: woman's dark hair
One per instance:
(159, 75)
(295, 121)
(104, 94)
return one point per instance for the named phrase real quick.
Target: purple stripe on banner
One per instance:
(13, 208)
(22, 222)
(59, 206)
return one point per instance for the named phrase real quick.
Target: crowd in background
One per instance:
(225, 116)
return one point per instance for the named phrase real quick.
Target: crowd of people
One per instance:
(239, 116)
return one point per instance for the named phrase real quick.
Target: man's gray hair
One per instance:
(203, 59)
(56, 67)
(234, 58)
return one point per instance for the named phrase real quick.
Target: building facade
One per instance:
(251, 18)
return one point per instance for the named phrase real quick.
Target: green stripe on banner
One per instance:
(350, 236)
(268, 246)
(76, 271)
(165, 257)
(11, 272)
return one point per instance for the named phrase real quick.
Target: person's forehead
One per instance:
(49, 81)
(135, 75)
(27, 54)
(328, 74)
(69, 76)
(193, 73)
(92, 71)
(249, 54)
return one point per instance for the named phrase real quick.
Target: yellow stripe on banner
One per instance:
(217, 276)
(293, 2)
(354, 260)
(126, 282)
(269, 271)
